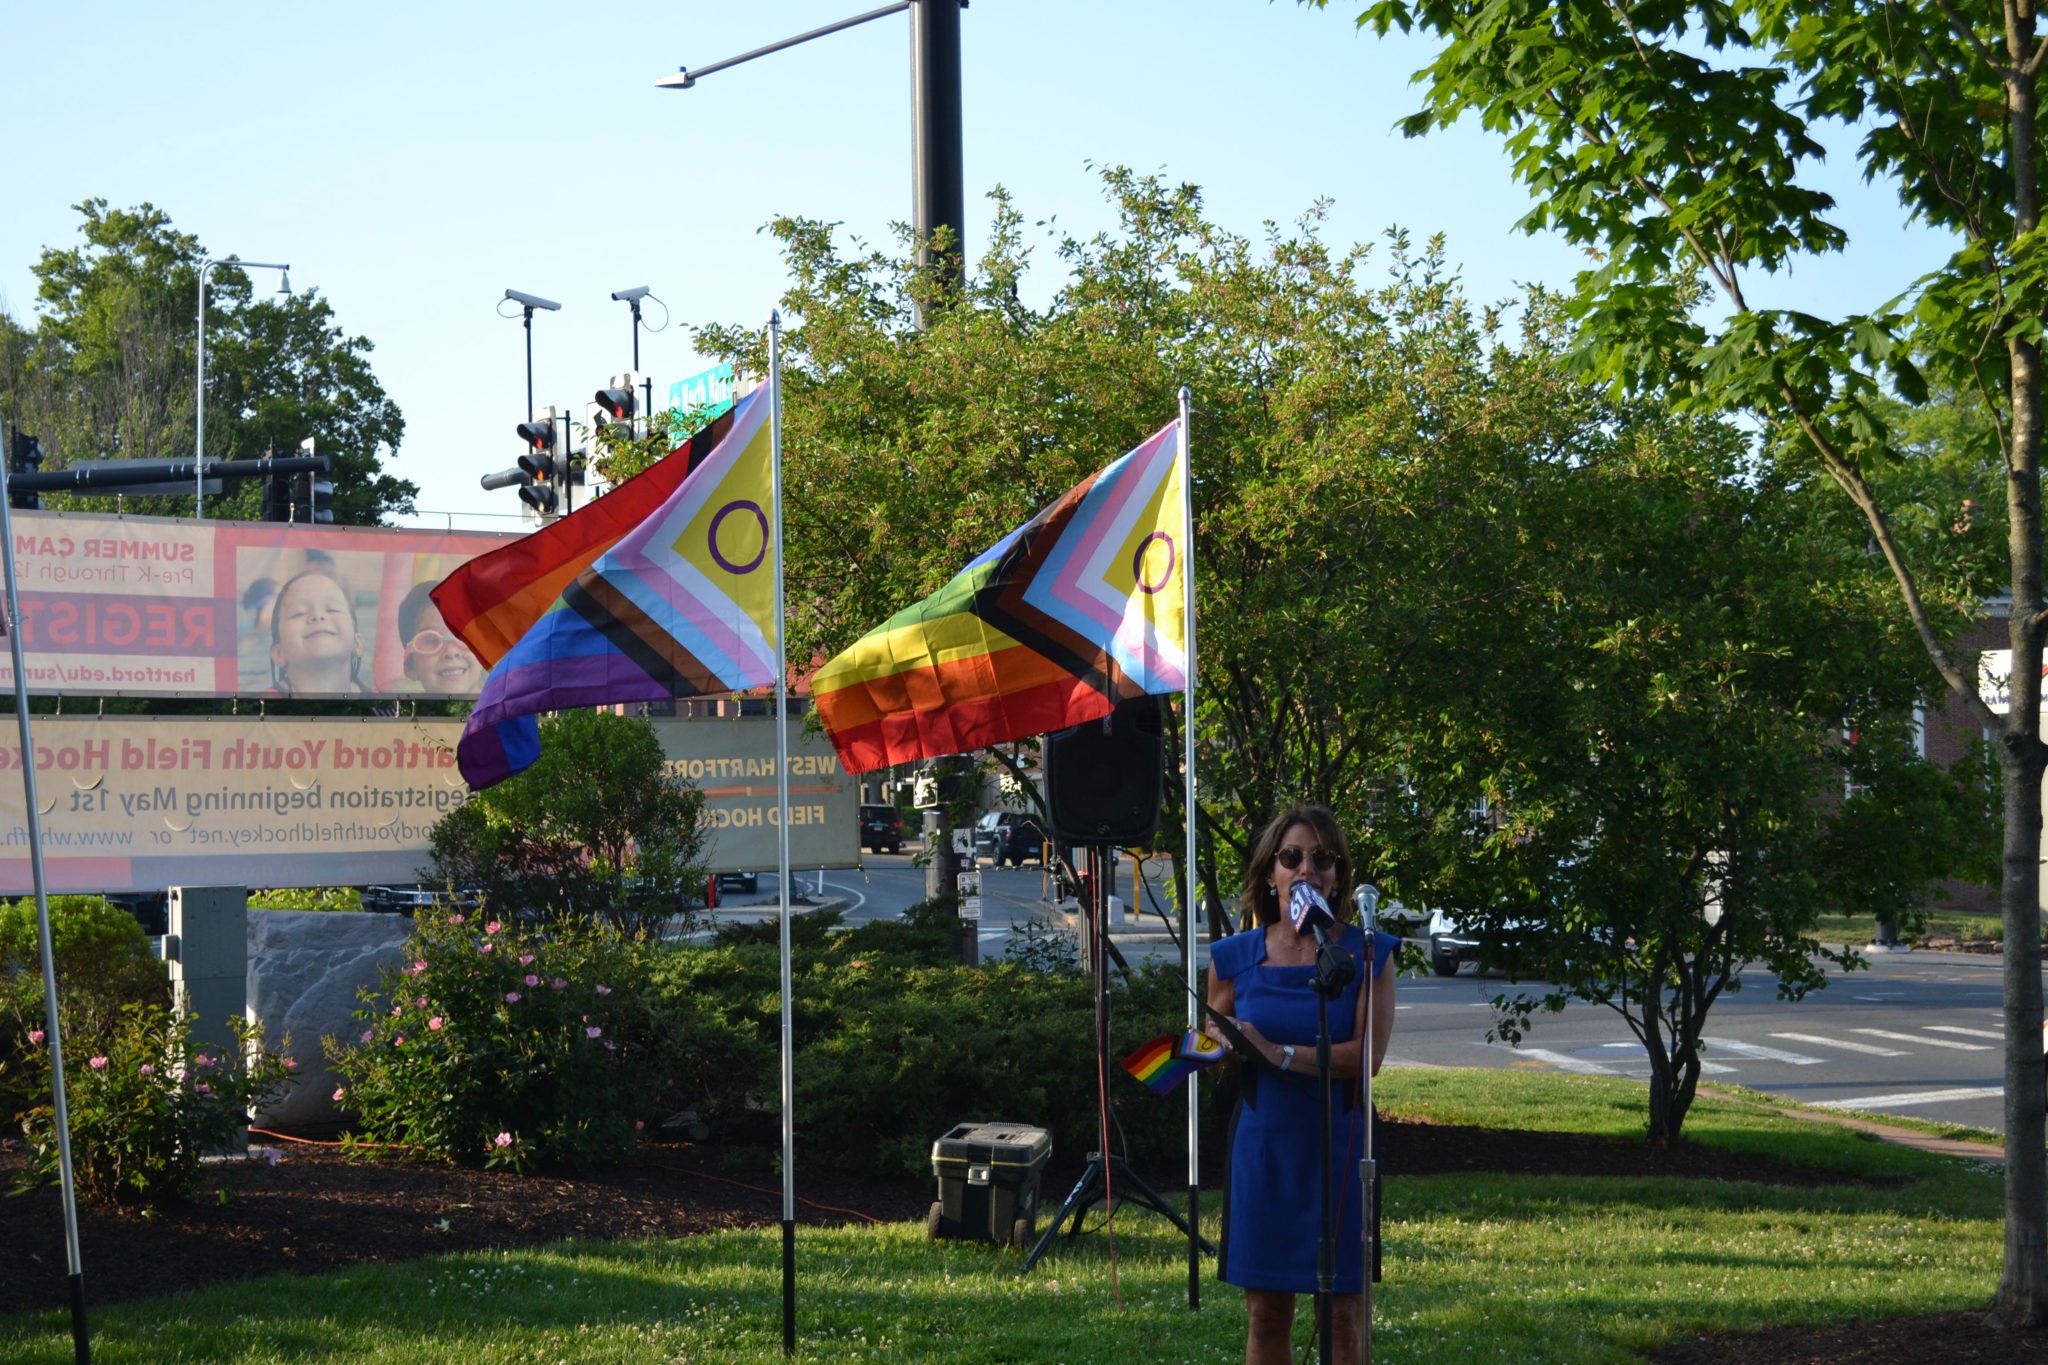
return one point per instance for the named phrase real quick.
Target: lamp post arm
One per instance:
(685, 77)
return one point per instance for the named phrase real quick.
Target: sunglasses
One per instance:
(1290, 858)
(430, 642)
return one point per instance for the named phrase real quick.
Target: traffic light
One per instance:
(277, 497)
(313, 501)
(540, 464)
(24, 456)
(615, 406)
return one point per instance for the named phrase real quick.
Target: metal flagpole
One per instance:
(782, 845)
(81, 1340)
(1188, 896)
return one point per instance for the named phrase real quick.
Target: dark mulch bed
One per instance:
(312, 1212)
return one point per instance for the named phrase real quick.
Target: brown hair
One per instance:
(1258, 903)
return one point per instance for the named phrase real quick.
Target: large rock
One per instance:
(305, 968)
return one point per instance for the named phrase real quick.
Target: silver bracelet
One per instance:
(1287, 1056)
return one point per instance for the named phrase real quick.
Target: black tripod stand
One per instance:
(1105, 1170)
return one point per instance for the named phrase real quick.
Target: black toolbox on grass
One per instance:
(988, 1183)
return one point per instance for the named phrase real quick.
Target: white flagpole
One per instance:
(1189, 898)
(782, 845)
(81, 1341)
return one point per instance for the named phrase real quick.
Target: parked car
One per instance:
(881, 829)
(1452, 945)
(1006, 836)
(747, 883)
(405, 900)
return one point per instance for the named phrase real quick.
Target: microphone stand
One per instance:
(1367, 897)
(1333, 973)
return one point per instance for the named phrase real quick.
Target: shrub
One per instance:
(548, 1036)
(596, 828)
(307, 898)
(894, 1048)
(103, 965)
(145, 1104)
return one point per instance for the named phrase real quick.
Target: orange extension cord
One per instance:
(679, 1170)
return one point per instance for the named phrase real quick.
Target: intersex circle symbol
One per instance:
(1138, 562)
(741, 505)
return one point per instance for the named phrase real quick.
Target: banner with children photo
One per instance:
(152, 606)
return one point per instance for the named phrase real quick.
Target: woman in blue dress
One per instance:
(1272, 1205)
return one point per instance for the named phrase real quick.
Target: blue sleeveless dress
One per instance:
(1272, 1201)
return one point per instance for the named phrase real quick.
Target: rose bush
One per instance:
(146, 1103)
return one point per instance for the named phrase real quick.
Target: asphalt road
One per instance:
(1918, 1033)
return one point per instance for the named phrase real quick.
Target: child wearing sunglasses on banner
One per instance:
(1260, 978)
(316, 648)
(434, 657)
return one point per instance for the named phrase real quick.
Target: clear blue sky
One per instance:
(414, 160)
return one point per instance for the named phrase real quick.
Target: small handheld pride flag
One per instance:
(1162, 1064)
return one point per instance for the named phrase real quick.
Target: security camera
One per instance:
(533, 301)
(633, 295)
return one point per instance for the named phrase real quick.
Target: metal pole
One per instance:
(1188, 879)
(636, 335)
(938, 173)
(199, 407)
(529, 362)
(782, 847)
(81, 1340)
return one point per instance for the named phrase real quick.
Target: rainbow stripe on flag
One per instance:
(494, 599)
(1162, 1064)
(681, 605)
(1078, 609)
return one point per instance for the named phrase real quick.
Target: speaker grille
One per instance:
(1104, 779)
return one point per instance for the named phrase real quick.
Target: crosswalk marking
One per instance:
(1760, 1054)
(1922, 1039)
(1867, 1049)
(1564, 1061)
(1908, 1099)
(1967, 1032)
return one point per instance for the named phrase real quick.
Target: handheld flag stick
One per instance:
(782, 844)
(81, 1340)
(1188, 882)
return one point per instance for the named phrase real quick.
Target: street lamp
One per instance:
(937, 175)
(527, 303)
(631, 298)
(284, 286)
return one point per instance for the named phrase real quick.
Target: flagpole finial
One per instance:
(775, 317)
(1187, 395)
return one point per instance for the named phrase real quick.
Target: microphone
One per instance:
(1308, 912)
(1367, 898)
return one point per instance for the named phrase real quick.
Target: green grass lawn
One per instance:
(1481, 1268)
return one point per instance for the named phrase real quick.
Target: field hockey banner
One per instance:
(140, 803)
(154, 606)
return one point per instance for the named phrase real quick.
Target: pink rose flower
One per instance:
(532, 980)
(435, 1023)
(98, 1064)
(639, 1124)
(493, 927)
(291, 1064)
(339, 1093)
(35, 1036)
(511, 997)
(145, 1070)
(604, 990)
(487, 947)
(202, 1060)
(366, 1034)
(503, 1139)
(559, 984)
(202, 1089)
(526, 959)
(420, 1003)
(593, 1032)
(455, 919)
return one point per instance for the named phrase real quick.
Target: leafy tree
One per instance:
(594, 829)
(1684, 143)
(1413, 524)
(1698, 745)
(106, 370)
